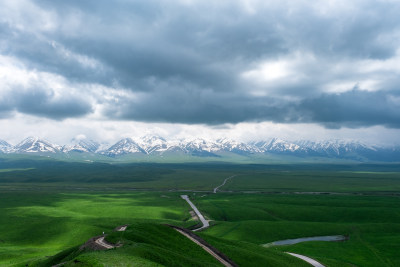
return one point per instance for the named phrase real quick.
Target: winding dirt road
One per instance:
(222, 258)
(217, 188)
(211, 250)
(199, 215)
(103, 243)
(100, 241)
(307, 259)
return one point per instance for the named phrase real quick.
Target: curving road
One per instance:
(100, 241)
(199, 215)
(206, 248)
(104, 244)
(222, 258)
(217, 188)
(121, 228)
(307, 259)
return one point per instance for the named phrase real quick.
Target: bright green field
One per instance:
(371, 222)
(51, 207)
(148, 244)
(37, 224)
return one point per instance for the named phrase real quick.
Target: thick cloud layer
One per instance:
(335, 63)
(43, 103)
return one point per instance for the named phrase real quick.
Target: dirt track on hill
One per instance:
(199, 215)
(217, 188)
(98, 242)
(307, 259)
(219, 256)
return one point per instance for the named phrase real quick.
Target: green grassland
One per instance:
(34, 224)
(159, 245)
(371, 222)
(316, 181)
(31, 173)
(49, 207)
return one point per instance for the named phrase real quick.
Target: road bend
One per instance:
(217, 188)
(199, 215)
(307, 259)
(100, 241)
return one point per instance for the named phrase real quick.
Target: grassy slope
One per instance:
(34, 224)
(372, 222)
(154, 244)
(71, 218)
(316, 181)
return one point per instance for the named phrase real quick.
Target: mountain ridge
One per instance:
(199, 147)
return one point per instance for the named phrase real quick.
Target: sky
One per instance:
(242, 69)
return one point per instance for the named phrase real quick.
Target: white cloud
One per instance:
(268, 71)
(247, 54)
(82, 60)
(25, 16)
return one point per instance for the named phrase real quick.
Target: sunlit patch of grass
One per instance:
(43, 223)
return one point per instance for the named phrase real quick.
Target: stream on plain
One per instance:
(331, 238)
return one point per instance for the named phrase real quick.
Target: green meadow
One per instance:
(372, 224)
(38, 224)
(50, 208)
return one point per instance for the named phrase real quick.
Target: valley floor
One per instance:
(44, 224)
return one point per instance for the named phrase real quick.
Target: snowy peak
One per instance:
(34, 145)
(235, 146)
(152, 143)
(277, 145)
(81, 146)
(337, 147)
(5, 147)
(198, 147)
(199, 144)
(124, 146)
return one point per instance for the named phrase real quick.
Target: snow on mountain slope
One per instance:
(152, 143)
(122, 147)
(5, 147)
(337, 147)
(237, 147)
(277, 145)
(35, 145)
(156, 145)
(81, 146)
(198, 144)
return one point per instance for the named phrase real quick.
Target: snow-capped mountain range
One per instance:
(158, 146)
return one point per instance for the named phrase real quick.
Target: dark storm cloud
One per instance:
(186, 60)
(354, 109)
(351, 109)
(43, 103)
(192, 107)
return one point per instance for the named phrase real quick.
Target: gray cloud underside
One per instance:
(185, 61)
(351, 109)
(40, 103)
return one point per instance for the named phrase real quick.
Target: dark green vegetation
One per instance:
(32, 173)
(371, 222)
(34, 224)
(156, 245)
(147, 244)
(49, 207)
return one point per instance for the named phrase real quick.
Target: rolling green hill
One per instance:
(51, 208)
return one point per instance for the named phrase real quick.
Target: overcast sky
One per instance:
(241, 69)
